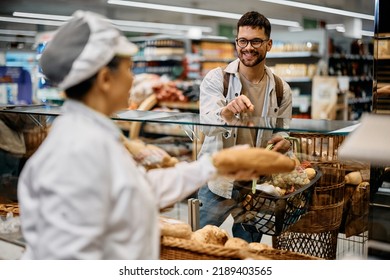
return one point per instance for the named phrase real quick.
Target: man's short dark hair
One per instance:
(255, 20)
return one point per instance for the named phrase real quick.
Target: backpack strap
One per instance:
(226, 77)
(278, 89)
(278, 86)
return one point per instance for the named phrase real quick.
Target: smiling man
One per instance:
(246, 88)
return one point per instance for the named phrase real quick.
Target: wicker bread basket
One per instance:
(9, 208)
(184, 249)
(173, 248)
(34, 138)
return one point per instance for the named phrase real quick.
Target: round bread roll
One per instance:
(236, 243)
(310, 172)
(210, 234)
(259, 160)
(258, 246)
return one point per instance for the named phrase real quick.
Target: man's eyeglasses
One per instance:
(256, 43)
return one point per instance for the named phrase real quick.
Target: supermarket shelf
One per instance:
(159, 58)
(180, 105)
(297, 79)
(293, 54)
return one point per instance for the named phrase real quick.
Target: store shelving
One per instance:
(358, 68)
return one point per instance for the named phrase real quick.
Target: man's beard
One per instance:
(251, 63)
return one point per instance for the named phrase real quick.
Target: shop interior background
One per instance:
(334, 27)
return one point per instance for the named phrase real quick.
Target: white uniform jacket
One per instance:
(82, 196)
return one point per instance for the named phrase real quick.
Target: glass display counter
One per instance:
(180, 134)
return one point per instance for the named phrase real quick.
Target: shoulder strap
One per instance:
(226, 77)
(278, 89)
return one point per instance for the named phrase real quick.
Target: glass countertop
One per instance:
(187, 118)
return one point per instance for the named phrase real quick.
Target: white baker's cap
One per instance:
(82, 46)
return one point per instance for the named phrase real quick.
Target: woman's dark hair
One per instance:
(78, 91)
(255, 19)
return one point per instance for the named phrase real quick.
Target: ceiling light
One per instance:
(124, 25)
(148, 30)
(41, 16)
(320, 9)
(32, 21)
(193, 11)
(161, 25)
(174, 9)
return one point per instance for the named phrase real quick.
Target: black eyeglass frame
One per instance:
(251, 42)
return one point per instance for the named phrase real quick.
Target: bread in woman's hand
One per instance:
(259, 160)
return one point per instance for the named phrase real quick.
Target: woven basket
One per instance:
(326, 208)
(184, 249)
(34, 138)
(273, 215)
(6, 208)
(316, 233)
(274, 254)
(317, 147)
(321, 245)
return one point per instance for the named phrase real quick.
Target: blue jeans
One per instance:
(215, 209)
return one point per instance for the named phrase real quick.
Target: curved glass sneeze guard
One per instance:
(186, 118)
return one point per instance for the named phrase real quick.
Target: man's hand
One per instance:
(241, 104)
(280, 144)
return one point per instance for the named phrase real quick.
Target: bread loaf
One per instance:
(236, 243)
(148, 155)
(210, 234)
(258, 246)
(259, 160)
(174, 228)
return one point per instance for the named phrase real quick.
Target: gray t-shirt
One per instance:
(256, 94)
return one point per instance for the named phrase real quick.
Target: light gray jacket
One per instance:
(212, 101)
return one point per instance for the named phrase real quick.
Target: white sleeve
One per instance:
(174, 184)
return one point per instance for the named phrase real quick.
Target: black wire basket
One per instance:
(273, 215)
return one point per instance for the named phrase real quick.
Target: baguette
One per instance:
(258, 160)
(148, 155)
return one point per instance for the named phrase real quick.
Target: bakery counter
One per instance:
(194, 133)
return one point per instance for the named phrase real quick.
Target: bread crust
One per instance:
(259, 160)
